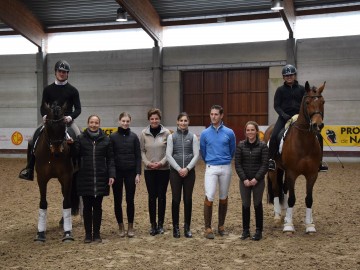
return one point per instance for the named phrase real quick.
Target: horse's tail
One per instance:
(75, 199)
(279, 184)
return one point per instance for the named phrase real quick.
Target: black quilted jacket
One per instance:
(251, 160)
(96, 164)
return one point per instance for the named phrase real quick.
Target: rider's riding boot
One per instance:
(272, 153)
(259, 217)
(246, 223)
(223, 205)
(208, 206)
(323, 167)
(28, 172)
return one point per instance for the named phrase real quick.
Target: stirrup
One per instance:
(323, 167)
(272, 165)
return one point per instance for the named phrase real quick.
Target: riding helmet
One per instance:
(288, 70)
(62, 65)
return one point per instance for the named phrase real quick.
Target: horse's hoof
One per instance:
(68, 237)
(310, 228)
(277, 221)
(40, 237)
(288, 228)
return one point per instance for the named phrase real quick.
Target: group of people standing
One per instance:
(116, 160)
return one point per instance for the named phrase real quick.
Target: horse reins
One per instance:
(307, 116)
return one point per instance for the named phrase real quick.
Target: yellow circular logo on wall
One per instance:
(261, 135)
(17, 138)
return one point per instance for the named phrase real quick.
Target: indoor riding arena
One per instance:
(181, 56)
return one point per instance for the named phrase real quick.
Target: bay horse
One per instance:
(53, 160)
(301, 155)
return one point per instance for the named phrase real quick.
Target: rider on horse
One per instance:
(61, 92)
(287, 101)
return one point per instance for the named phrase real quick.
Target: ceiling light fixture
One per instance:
(121, 15)
(277, 5)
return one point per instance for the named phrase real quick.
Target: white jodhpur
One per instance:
(288, 225)
(42, 220)
(309, 223)
(67, 220)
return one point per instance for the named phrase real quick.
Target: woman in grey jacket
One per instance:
(153, 142)
(182, 153)
(251, 165)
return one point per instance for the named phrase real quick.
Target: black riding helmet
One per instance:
(288, 70)
(62, 65)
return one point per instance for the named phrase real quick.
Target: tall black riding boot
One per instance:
(246, 222)
(97, 216)
(273, 148)
(28, 172)
(259, 217)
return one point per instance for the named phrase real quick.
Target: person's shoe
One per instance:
(221, 231)
(27, 174)
(209, 234)
(323, 167)
(187, 231)
(97, 238)
(176, 232)
(88, 239)
(130, 232)
(121, 230)
(257, 236)
(245, 234)
(160, 229)
(272, 165)
(153, 230)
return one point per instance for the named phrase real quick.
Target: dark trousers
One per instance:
(126, 178)
(156, 183)
(185, 184)
(92, 214)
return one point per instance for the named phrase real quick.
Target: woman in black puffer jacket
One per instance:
(96, 174)
(251, 165)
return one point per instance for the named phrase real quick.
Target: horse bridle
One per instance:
(307, 116)
(55, 142)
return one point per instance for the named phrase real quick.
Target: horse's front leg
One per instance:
(288, 220)
(274, 192)
(309, 223)
(40, 236)
(65, 181)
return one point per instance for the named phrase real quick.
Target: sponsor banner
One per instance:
(341, 135)
(347, 137)
(15, 138)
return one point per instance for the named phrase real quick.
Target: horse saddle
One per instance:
(282, 135)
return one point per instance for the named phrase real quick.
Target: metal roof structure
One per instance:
(34, 19)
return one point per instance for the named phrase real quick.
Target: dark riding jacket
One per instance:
(287, 100)
(96, 161)
(127, 153)
(61, 94)
(251, 160)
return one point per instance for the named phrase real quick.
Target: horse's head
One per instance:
(313, 107)
(55, 126)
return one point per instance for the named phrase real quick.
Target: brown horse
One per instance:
(53, 160)
(301, 155)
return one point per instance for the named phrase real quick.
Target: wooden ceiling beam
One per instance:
(17, 16)
(144, 14)
(288, 15)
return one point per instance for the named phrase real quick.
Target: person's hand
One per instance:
(253, 182)
(44, 119)
(137, 179)
(111, 181)
(183, 172)
(247, 183)
(68, 119)
(69, 140)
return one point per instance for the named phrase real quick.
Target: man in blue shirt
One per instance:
(217, 146)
